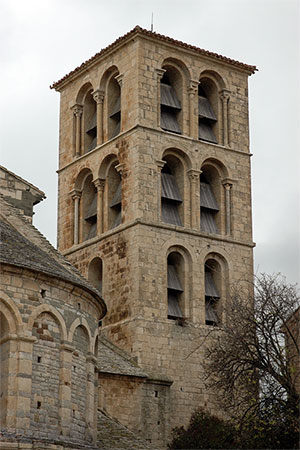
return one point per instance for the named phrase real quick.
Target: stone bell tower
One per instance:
(155, 197)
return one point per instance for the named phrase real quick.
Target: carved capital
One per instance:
(119, 79)
(224, 95)
(227, 183)
(159, 73)
(160, 164)
(99, 183)
(98, 96)
(77, 110)
(193, 87)
(119, 168)
(75, 194)
(194, 175)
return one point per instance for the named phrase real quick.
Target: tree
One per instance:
(252, 360)
(203, 432)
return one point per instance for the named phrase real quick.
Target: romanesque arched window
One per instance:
(89, 209)
(175, 285)
(170, 104)
(90, 122)
(114, 107)
(209, 205)
(212, 292)
(172, 188)
(114, 196)
(95, 273)
(207, 110)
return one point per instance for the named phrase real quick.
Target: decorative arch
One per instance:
(179, 64)
(108, 161)
(85, 88)
(180, 154)
(81, 177)
(218, 165)
(53, 312)
(77, 323)
(217, 79)
(11, 313)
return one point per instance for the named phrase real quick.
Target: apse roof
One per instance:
(22, 245)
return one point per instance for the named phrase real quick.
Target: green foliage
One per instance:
(204, 431)
(270, 429)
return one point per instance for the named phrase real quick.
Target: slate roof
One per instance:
(114, 436)
(115, 361)
(138, 30)
(22, 245)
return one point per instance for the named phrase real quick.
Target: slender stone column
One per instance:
(65, 387)
(194, 176)
(227, 186)
(160, 164)
(159, 75)
(119, 79)
(193, 97)
(76, 197)
(225, 95)
(99, 183)
(90, 392)
(77, 111)
(98, 96)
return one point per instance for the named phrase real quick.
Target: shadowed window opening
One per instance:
(170, 106)
(208, 207)
(174, 286)
(170, 197)
(207, 117)
(211, 296)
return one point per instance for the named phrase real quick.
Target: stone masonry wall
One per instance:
(43, 319)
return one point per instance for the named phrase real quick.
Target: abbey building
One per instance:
(154, 210)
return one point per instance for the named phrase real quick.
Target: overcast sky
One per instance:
(42, 40)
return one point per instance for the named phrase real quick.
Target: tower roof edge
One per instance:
(141, 31)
